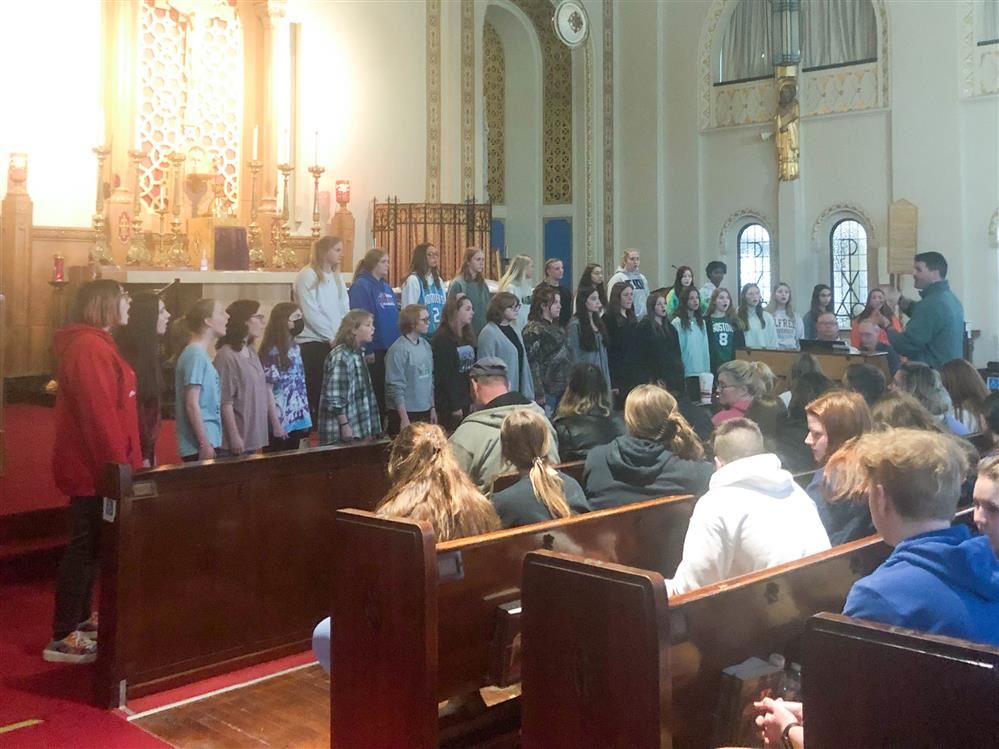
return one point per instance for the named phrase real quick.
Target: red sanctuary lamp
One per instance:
(58, 268)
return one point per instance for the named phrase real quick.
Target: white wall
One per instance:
(929, 146)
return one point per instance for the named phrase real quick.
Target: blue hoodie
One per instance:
(943, 582)
(377, 297)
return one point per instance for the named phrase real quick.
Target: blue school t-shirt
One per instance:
(195, 368)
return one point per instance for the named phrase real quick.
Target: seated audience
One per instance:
(585, 418)
(348, 409)
(898, 410)
(753, 516)
(990, 412)
(924, 384)
(867, 380)
(967, 393)
(500, 338)
(804, 364)
(281, 357)
(986, 500)
(542, 493)
(739, 382)
(409, 371)
(938, 579)
(877, 301)
(660, 455)
(427, 485)
(807, 388)
(868, 342)
(791, 448)
(833, 419)
(827, 327)
(476, 441)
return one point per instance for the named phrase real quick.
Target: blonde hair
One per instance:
(428, 484)
(525, 441)
(347, 333)
(651, 413)
(319, 249)
(755, 376)
(514, 272)
(921, 471)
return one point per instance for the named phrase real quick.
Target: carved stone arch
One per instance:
(735, 223)
(707, 49)
(994, 230)
(832, 214)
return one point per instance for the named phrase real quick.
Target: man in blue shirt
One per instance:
(939, 579)
(935, 332)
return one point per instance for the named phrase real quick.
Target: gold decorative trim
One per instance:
(741, 218)
(494, 94)
(62, 234)
(467, 99)
(610, 260)
(820, 242)
(433, 101)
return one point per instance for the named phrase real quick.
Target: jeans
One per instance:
(78, 568)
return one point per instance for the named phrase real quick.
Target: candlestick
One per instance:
(137, 252)
(256, 133)
(283, 255)
(256, 246)
(101, 254)
(316, 172)
(315, 160)
(178, 252)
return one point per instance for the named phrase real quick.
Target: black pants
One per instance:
(394, 425)
(377, 371)
(314, 355)
(291, 442)
(449, 422)
(78, 569)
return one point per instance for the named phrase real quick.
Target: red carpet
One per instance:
(27, 482)
(55, 693)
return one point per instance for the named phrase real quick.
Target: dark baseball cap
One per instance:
(488, 366)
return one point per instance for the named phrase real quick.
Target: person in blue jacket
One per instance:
(939, 578)
(935, 332)
(371, 291)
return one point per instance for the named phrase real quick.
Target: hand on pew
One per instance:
(776, 716)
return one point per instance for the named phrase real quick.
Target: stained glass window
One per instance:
(848, 249)
(754, 259)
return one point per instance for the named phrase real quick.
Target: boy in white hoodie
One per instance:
(753, 515)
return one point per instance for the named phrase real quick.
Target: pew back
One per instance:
(456, 629)
(833, 364)
(595, 655)
(214, 566)
(868, 684)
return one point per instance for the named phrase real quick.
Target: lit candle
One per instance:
(316, 160)
(255, 141)
(58, 268)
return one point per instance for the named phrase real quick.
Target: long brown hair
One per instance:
(428, 484)
(651, 413)
(730, 314)
(367, 263)
(449, 320)
(470, 253)
(277, 335)
(525, 441)
(347, 333)
(966, 387)
(843, 414)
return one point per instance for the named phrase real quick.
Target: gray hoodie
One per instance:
(476, 441)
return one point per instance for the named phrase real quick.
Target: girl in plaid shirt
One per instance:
(348, 409)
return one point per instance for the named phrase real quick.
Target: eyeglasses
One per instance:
(424, 319)
(725, 386)
(258, 316)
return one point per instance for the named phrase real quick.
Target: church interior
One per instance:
(199, 149)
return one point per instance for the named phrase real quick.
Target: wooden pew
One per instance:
(569, 601)
(833, 364)
(573, 470)
(210, 567)
(709, 629)
(868, 684)
(415, 624)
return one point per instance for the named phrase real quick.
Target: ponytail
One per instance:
(525, 441)
(548, 488)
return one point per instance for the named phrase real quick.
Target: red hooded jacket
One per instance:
(97, 421)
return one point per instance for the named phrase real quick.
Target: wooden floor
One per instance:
(291, 710)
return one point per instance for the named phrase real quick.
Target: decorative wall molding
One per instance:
(733, 225)
(994, 230)
(556, 67)
(823, 224)
(979, 65)
(494, 94)
(467, 99)
(854, 88)
(433, 101)
(588, 148)
(607, 91)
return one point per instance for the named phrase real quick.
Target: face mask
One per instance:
(297, 326)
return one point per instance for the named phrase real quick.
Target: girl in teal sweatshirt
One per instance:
(693, 334)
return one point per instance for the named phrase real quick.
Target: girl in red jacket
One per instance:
(96, 424)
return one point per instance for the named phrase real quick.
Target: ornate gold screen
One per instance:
(190, 97)
(494, 88)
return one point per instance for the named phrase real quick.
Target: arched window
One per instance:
(754, 258)
(834, 33)
(988, 23)
(848, 260)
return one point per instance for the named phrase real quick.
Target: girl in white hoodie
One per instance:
(757, 324)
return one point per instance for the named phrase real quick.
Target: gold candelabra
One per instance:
(138, 253)
(178, 252)
(160, 254)
(256, 246)
(284, 257)
(316, 171)
(101, 254)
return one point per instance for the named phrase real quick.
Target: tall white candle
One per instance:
(316, 159)
(256, 133)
